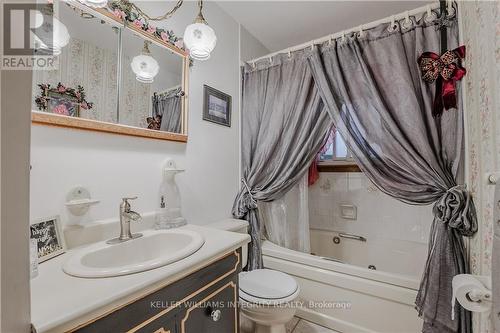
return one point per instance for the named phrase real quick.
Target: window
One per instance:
(336, 151)
(337, 157)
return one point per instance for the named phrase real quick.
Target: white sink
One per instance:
(154, 249)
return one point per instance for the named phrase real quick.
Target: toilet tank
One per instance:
(234, 225)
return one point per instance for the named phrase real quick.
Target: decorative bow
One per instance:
(445, 70)
(154, 123)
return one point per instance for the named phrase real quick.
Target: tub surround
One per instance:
(378, 215)
(61, 302)
(398, 257)
(361, 296)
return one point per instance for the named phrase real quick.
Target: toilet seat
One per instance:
(266, 286)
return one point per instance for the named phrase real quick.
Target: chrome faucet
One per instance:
(126, 216)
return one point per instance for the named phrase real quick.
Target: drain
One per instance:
(336, 240)
(372, 267)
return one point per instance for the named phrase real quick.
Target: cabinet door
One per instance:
(153, 308)
(216, 313)
(165, 324)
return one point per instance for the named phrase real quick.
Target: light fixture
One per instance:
(199, 37)
(144, 65)
(95, 3)
(52, 35)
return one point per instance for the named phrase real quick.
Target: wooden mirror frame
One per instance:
(50, 119)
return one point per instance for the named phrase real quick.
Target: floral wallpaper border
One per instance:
(481, 35)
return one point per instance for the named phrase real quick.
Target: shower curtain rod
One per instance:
(161, 92)
(360, 28)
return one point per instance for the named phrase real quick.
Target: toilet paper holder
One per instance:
(475, 293)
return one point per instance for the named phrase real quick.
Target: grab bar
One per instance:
(351, 236)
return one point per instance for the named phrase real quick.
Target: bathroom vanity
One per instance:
(204, 301)
(196, 294)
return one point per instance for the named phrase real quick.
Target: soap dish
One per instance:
(79, 201)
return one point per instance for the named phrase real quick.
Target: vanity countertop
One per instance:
(60, 302)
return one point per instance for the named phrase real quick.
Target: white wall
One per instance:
(113, 166)
(250, 47)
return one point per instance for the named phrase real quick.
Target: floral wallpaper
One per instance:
(481, 35)
(135, 98)
(94, 68)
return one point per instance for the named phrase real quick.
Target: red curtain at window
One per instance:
(313, 169)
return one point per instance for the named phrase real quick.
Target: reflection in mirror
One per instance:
(85, 82)
(151, 85)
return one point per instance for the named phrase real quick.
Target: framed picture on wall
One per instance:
(62, 100)
(50, 240)
(63, 104)
(216, 106)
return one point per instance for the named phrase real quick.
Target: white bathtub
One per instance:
(349, 298)
(387, 255)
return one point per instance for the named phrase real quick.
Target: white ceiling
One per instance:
(281, 24)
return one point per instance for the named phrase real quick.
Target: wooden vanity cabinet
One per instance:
(202, 302)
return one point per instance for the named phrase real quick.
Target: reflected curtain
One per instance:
(286, 220)
(168, 106)
(374, 93)
(284, 124)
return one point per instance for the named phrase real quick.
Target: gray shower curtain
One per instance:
(371, 88)
(168, 106)
(284, 124)
(374, 93)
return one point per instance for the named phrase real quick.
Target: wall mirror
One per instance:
(147, 101)
(113, 77)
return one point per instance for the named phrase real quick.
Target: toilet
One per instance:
(266, 299)
(266, 296)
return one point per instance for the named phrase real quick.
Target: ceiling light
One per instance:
(95, 3)
(199, 37)
(144, 65)
(53, 34)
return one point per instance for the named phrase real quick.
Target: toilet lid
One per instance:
(267, 284)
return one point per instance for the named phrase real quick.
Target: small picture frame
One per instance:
(216, 106)
(50, 240)
(63, 104)
(62, 100)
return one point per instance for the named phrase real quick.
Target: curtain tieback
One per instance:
(456, 208)
(252, 199)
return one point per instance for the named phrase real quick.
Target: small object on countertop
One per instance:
(168, 214)
(49, 237)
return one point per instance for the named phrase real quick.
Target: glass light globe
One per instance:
(145, 66)
(95, 3)
(200, 39)
(58, 32)
(38, 19)
(61, 36)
